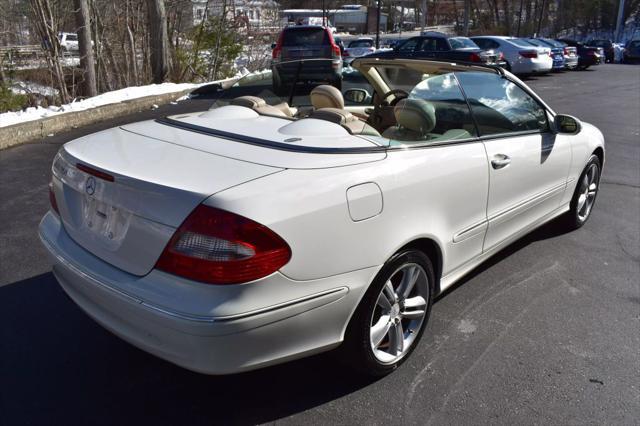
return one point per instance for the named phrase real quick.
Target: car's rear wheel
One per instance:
(392, 315)
(584, 196)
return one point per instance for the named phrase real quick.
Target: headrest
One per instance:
(415, 114)
(252, 102)
(325, 96)
(335, 115)
(260, 106)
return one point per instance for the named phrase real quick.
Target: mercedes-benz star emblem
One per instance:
(90, 185)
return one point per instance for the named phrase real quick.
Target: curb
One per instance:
(21, 133)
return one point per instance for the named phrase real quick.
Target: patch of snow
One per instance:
(25, 87)
(116, 96)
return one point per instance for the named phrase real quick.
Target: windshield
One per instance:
(462, 43)
(305, 37)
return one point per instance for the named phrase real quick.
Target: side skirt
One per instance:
(455, 275)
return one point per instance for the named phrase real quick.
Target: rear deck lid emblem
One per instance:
(90, 185)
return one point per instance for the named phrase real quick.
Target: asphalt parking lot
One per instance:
(547, 332)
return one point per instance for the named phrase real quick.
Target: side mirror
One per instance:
(357, 96)
(273, 46)
(567, 124)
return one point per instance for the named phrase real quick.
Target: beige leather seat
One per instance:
(353, 124)
(325, 96)
(415, 118)
(260, 106)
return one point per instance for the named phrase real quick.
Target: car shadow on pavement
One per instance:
(58, 367)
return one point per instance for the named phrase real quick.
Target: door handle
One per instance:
(500, 160)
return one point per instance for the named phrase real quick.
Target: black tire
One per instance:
(357, 349)
(575, 217)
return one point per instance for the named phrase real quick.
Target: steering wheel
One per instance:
(399, 95)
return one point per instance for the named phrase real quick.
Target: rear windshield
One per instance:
(535, 42)
(553, 43)
(462, 43)
(361, 43)
(72, 37)
(520, 42)
(600, 43)
(305, 37)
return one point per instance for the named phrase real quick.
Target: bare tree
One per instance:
(158, 40)
(467, 7)
(87, 63)
(47, 27)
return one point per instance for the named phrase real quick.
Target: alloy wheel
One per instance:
(400, 310)
(588, 191)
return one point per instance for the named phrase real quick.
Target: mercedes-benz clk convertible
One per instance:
(268, 229)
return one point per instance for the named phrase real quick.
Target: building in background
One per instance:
(251, 13)
(349, 18)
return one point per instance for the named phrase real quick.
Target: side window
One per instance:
(435, 111)
(428, 45)
(482, 43)
(409, 45)
(500, 106)
(441, 45)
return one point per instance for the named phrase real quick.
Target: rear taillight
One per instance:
(346, 54)
(218, 247)
(531, 54)
(335, 50)
(501, 56)
(52, 199)
(566, 51)
(275, 53)
(474, 57)
(591, 53)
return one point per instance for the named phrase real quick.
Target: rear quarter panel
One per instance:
(431, 192)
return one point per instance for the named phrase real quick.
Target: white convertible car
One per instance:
(258, 232)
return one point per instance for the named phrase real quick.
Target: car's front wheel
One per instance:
(392, 315)
(584, 196)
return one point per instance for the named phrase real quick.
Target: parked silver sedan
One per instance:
(522, 58)
(358, 48)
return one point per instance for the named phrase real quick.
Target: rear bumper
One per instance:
(570, 62)
(216, 340)
(558, 63)
(315, 74)
(589, 60)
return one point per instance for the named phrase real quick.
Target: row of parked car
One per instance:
(522, 56)
(518, 55)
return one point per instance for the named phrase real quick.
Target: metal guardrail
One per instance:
(28, 48)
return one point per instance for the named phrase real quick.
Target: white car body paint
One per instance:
(342, 214)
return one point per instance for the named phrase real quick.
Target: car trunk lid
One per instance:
(121, 195)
